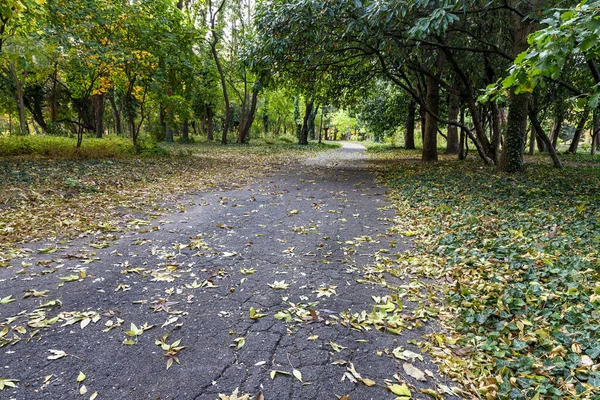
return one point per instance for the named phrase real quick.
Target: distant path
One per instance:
(299, 225)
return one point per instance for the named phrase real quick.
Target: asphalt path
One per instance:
(304, 244)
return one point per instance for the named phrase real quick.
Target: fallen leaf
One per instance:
(56, 354)
(413, 371)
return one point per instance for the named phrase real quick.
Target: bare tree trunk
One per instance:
(98, 105)
(595, 134)
(559, 117)
(116, 113)
(311, 122)
(304, 131)
(185, 131)
(168, 133)
(463, 139)
(54, 95)
(247, 121)
(321, 126)
(537, 128)
(452, 144)
(409, 135)
(579, 131)
(20, 103)
(215, 54)
(532, 140)
(431, 124)
(210, 122)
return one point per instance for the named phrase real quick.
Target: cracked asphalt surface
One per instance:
(195, 274)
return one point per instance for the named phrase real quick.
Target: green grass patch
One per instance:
(518, 260)
(63, 147)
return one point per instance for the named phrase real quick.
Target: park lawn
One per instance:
(516, 260)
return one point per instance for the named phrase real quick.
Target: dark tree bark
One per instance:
(116, 113)
(452, 146)
(185, 131)
(409, 135)
(311, 122)
(422, 114)
(511, 159)
(579, 131)
(595, 134)
(496, 132)
(20, 102)
(210, 124)
(98, 105)
(213, 48)
(430, 153)
(463, 137)
(303, 139)
(168, 133)
(539, 131)
(557, 125)
(33, 96)
(532, 141)
(248, 119)
(54, 95)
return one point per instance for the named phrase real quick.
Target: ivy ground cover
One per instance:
(516, 258)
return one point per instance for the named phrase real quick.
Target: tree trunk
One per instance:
(203, 125)
(595, 134)
(511, 159)
(185, 131)
(496, 132)
(20, 103)
(248, 120)
(452, 143)
(539, 131)
(98, 105)
(213, 49)
(579, 131)
(422, 114)
(116, 114)
(304, 131)
(532, 140)
(409, 135)
(557, 125)
(311, 122)
(168, 133)
(54, 96)
(210, 124)
(431, 124)
(462, 154)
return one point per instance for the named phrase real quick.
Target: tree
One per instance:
(214, 11)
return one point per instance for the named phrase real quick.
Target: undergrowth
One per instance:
(517, 257)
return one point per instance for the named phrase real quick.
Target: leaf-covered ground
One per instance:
(517, 259)
(285, 287)
(68, 197)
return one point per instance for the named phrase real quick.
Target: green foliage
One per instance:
(570, 37)
(522, 257)
(383, 109)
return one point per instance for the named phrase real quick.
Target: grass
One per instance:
(517, 260)
(63, 147)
